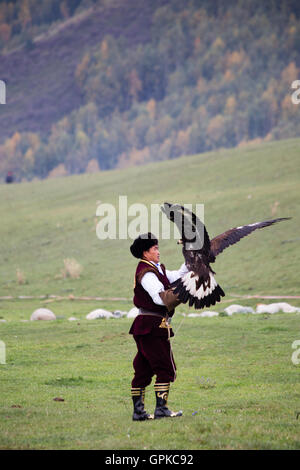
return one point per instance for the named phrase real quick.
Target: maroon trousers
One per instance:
(154, 357)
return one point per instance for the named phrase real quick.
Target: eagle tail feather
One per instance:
(205, 295)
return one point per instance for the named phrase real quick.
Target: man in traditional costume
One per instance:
(151, 328)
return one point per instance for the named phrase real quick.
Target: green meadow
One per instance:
(236, 384)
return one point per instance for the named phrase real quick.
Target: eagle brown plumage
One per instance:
(198, 286)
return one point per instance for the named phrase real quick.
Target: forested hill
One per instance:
(99, 84)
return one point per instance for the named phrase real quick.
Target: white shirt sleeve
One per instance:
(174, 275)
(153, 286)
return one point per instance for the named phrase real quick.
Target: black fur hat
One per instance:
(143, 243)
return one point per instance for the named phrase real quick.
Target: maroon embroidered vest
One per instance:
(141, 297)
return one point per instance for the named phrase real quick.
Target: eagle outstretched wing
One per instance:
(198, 286)
(193, 233)
(233, 235)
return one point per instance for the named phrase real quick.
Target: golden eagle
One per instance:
(198, 286)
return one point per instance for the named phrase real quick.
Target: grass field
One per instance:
(236, 384)
(236, 381)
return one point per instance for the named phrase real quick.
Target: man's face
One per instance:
(152, 254)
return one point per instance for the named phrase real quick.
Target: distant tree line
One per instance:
(214, 74)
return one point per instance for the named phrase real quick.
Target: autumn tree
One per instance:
(135, 85)
(24, 15)
(5, 32)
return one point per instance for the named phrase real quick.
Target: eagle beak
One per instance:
(180, 242)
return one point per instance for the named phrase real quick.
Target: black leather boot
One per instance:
(139, 413)
(161, 410)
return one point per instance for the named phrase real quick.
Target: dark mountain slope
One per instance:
(41, 86)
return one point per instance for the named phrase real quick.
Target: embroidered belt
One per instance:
(143, 311)
(166, 320)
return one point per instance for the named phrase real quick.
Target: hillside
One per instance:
(47, 222)
(119, 84)
(41, 85)
(66, 385)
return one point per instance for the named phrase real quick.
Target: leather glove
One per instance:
(170, 299)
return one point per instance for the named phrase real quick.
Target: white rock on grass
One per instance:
(133, 312)
(276, 307)
(209, 314)
(119, 313)
(238, 309)
(203, 314)
(42, 314)
(72, 319)
(99, 313)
